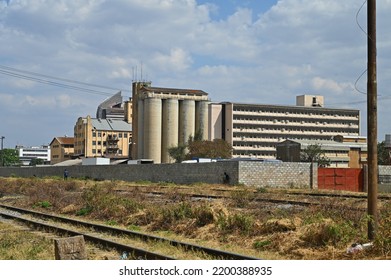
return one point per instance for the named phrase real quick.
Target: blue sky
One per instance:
(250, 51)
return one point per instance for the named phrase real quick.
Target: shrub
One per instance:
(242, 198)
(241, 223)
(43, 204)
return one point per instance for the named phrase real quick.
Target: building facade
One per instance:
(61, 149)
(254, 129)
(108, 138)
(342, 151)
(28, 154)
(164, 118)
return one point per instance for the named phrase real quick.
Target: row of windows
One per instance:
(34, 155)
(99, 152)
(252, 145)
(288, 132)
(296, 121)
(296, 111)
(119, 135)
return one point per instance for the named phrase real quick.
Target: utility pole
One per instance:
(372, 121)
(2, 153)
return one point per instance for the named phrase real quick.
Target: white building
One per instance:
(254, 130)
(27, 154)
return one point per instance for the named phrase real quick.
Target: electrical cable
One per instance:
(47, 82)
(9, 71)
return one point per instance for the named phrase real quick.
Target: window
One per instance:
(94, 134)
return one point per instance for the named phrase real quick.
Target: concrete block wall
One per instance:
(177, 173)
(384, 169)
(285, 174)
(257, 174)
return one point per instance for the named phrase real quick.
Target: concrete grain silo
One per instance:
(170, 127)
(140, 134)
(201, 121)
(186, 120)
(153, 129)
(164, 118)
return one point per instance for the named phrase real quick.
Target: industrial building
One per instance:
(164, 118)
(255, 129)
(112, 108)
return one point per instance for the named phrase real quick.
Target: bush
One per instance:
(241, 223)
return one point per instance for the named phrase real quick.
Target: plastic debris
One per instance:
(124, 256)
(357, 247)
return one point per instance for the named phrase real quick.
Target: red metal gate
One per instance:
(342, 179)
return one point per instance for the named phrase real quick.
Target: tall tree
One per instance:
(9, 157)
(218, 148)
(197, 148)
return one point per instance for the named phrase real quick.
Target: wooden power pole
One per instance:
(372, 122)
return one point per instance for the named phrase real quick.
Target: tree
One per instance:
(198, 148)
(218, 148)
(9, 157)
(383, 154)
(36, 161)
(314, 153)
(178, 153)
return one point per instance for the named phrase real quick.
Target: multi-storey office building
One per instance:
(164, 118)
(255, 129)
(27, 154)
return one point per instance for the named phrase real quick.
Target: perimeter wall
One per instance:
(256, 174)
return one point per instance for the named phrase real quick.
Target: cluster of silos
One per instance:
(166, 122)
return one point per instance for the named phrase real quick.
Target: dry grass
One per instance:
(17, 244)
(238, 224)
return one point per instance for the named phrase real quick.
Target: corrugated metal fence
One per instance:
(343, 179)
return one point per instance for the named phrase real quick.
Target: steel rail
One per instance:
(137, 252)
(219, 254)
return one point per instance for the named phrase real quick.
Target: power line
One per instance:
(47, 82)
(13, 72)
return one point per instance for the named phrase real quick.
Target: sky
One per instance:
(60, 59)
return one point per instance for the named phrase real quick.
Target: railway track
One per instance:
(311, 193)
(269, 198)
(40, 221)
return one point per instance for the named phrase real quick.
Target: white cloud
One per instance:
(177, 60)
(296, 47)
(321, 84)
